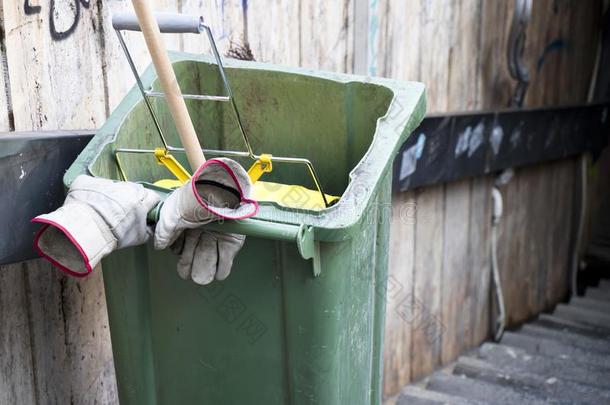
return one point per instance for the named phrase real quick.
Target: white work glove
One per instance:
(97, 217)
(206, 255)
(220, 189)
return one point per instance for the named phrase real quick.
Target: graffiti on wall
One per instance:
(69, 21)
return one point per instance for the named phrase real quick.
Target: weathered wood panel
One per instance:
(70, 337)
(46, 57)
(436, 48)
(427, 334)
(16, 367)
(455, 301)
(479, 244)
(400, 293)
(323, 35)
(464, 55)
(494, 83)
(427, 329)
(5, 91)
(17, 383)
(226, 20)
(399, 47)
(271, 39)
(458, 304)
(564, 191)
(560, 52)
(537, 188)
(578, 56)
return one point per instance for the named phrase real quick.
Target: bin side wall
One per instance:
(272, 331)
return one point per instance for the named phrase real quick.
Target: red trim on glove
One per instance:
(46, 223)
(232, 174)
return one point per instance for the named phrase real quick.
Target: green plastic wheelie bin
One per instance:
(300, 319)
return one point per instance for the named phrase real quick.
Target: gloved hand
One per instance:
(97, 217)
(206, 255)
(219, 189)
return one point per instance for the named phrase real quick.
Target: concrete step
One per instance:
(413, 395)
(604, 285)
(601, 294)
(560, 358)
(533, 384)
(596, 319)
(514, 360)
(553, 348)
(567, 337)
(477, 390)
(552, 321)
(589, 303)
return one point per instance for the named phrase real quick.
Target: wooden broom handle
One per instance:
(169, 83)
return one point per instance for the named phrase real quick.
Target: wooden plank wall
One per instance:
(440, 255)
(62, 68)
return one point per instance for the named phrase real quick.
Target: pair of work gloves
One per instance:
(100, 216)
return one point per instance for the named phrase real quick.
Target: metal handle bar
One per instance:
(169, 23)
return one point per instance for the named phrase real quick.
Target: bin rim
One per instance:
(405, 112)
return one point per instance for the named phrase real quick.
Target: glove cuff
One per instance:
(74, 238)
(247, 207)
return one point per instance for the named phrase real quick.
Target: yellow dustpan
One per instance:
(290, 196)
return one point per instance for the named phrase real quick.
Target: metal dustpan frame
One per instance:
(128, 21)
